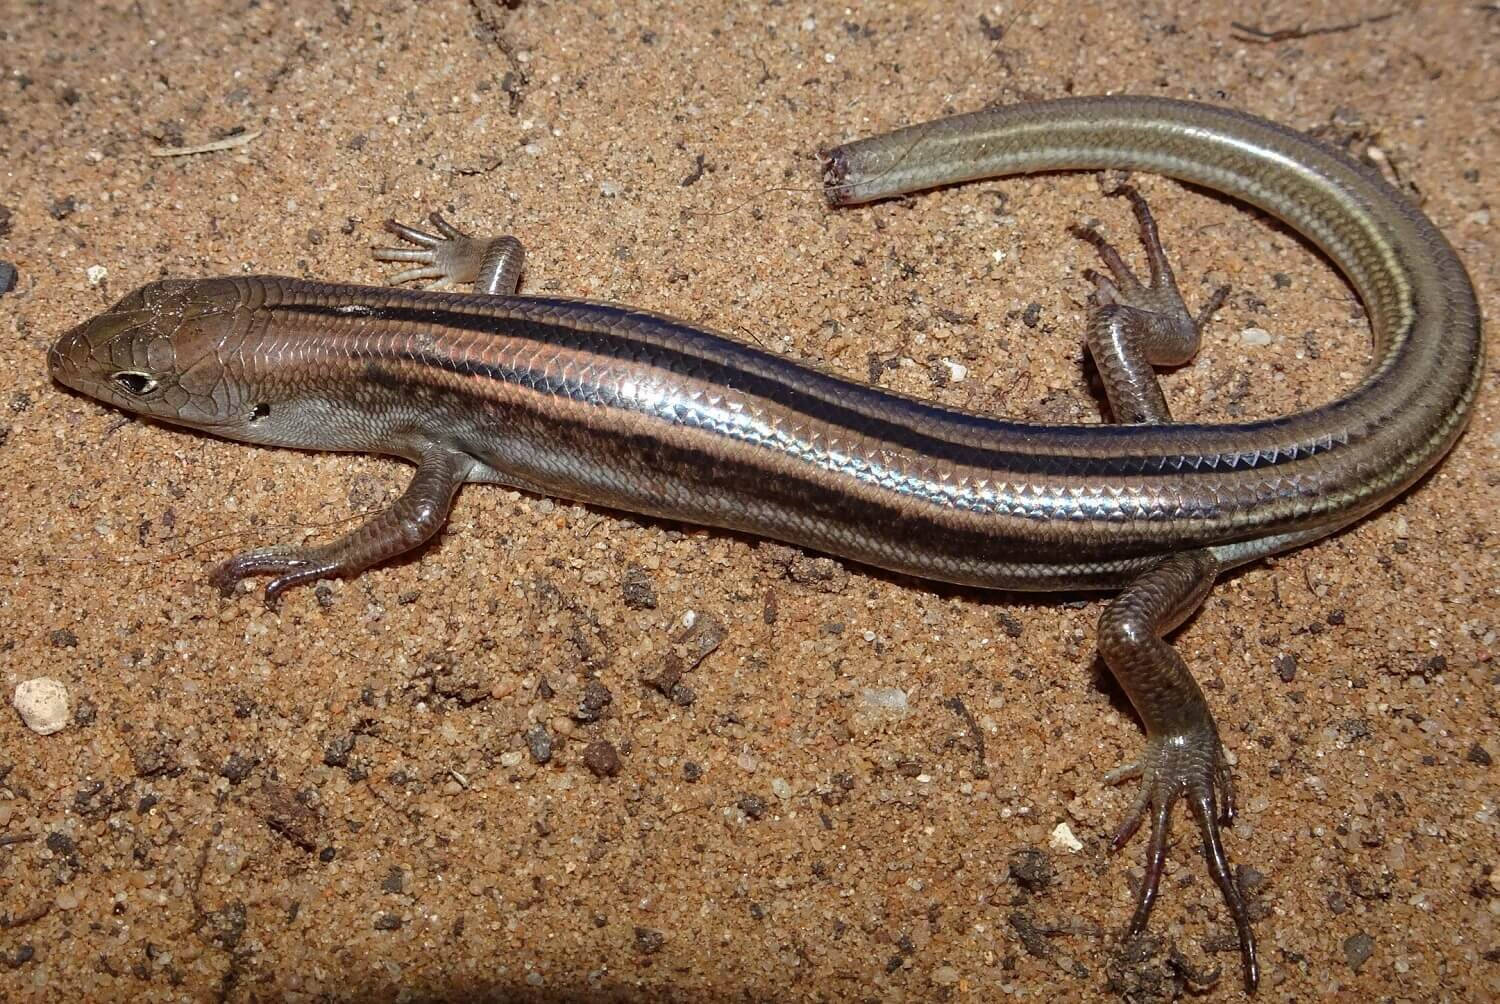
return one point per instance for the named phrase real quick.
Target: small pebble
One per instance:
(1255, 336)
(43, 705)
(1062, 839)
(7, 277)
(602, 758)
(648, 940)
(591, 706)
(540, 743)
(1357, 950)
(1031, 869)
(891, 699)
(638, 589)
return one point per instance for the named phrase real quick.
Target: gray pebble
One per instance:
(1357, 949)
(539, 740)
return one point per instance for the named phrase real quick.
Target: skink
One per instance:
(634, 410)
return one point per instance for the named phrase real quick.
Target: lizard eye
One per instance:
(133, 383)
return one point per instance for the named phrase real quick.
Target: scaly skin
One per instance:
(640, 412)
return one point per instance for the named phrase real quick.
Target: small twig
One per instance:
(227, 143)
(17, 838)
(956, 705)
(1250, 33)
(198, 880)
(483, 167)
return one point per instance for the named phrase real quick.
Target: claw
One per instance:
(1123, 274)
(1105, 291)
(399, 254)
(282, 583)
(445, 228)
(1218, 868)
(1156, 863)
(412, 274)
(1159, 294)
(1211, 308)
(1225, 788)
(1176, 770)
(289, 567)
(408, 233)
(1134, 817)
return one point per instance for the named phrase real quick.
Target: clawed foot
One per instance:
(1135, 326)
(1176, 330)
(1191, 767)
(451, 257)
(290, 568)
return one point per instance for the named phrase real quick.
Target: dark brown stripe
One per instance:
(918, 526)
(798, 392)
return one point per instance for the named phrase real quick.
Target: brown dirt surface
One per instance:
(507, 768)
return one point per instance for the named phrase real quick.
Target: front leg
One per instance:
(408, 523)
(449, 257)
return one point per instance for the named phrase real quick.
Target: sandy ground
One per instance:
(448, 777)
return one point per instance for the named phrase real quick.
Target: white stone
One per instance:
(890, 699)
(1062, 839)
(1255, 336)
(43, 704)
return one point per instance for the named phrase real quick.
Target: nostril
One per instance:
(67, 360)
(64, 357)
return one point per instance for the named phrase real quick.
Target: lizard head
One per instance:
(162, 351)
